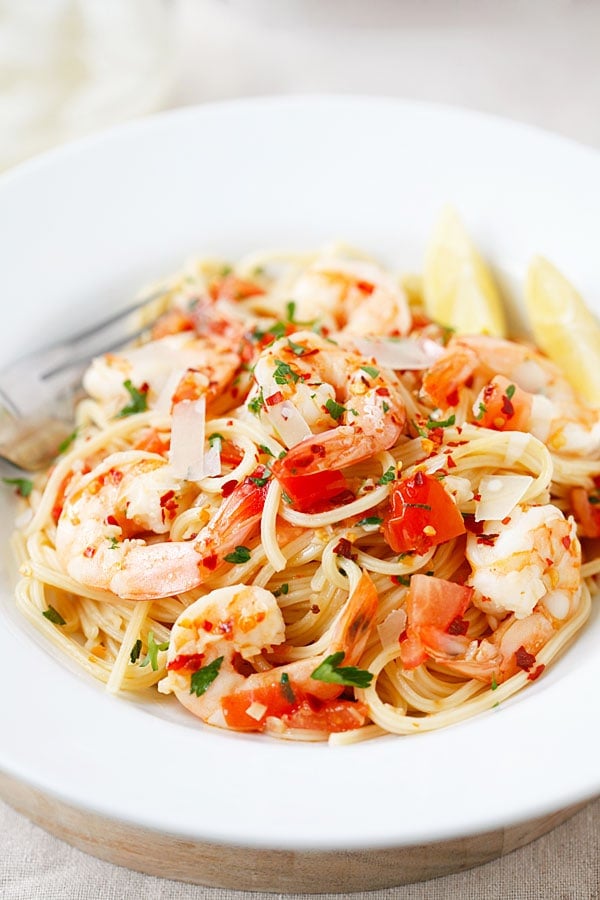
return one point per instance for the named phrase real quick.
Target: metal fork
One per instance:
(39, 391)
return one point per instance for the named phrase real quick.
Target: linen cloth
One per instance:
(533, 60)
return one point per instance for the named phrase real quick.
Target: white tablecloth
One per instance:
(534, 60)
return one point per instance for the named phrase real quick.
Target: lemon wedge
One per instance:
(459, 289)
(563, 327)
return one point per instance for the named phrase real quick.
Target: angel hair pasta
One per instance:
(302, 507)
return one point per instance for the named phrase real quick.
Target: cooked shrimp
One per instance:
(533, 558)
(525, 572)
(106, 535)
(352, 407)
(213, 644)
(352, 295)
(209, 364)
(519, 389)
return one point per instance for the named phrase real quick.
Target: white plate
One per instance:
(82, 228)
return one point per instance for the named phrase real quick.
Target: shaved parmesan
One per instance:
(188, 425)
(391, 628)
(403, 353)
(290, 425)
(499, 495)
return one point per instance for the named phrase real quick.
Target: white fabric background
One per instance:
(534, 60)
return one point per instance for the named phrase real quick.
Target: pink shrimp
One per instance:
(348, 409)
(516, 388)
(106, 535)
(214, 642)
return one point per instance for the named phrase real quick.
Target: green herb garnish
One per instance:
(332, 673)
(54, 616)
(152, 654)
(370, 520)
(216, 440)
(138, 403)
(239, 555)
(264, 449)
(335, 410)
(257, 403)
(441, 423)
(388, 476)
(135, 651)
(297, 349)
(284, 374)
(286, 688)
(510, 390)
(64, 445)
(370, 370)
(282, 589)
(204, 677)
(24, 486)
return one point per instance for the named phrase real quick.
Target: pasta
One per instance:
(304, 508)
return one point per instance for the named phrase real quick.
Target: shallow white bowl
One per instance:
(83, 228)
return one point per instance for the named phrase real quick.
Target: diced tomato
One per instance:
(153, 442)
(504, 406)
(192, 385)
(330, 716)
(230, 454)
(422, 514)
(233, 288)
(172, 322)
(311, 493)
(276, 697)
(432, 605)
(587, 514)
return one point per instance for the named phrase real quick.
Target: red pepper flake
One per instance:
(164, 500)
(507, 407)
(549, 562)
(382, 392)
(317, 449)
(458, 626)
(344, 548)
(210, 562)
(208, 626)
(471, 525)
(192, 661)
(114, 476)
(274, 399)
(506, 520)
(436, 435)
(89, 552)
(488, 539)
(315, 609)
(450, 462)
(110, 520)
(228, 488)
(365, 286)
(524, 659)
(566, 541)
(536, 672)
(452, 398)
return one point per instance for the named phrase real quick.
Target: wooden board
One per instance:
(242, 868)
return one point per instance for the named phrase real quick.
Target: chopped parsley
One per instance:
(284, 374)
(204, 677)
(290, 311)
(135, 651)
(482, 411)
(331, 672)
(152, 654)
(441, 423)
(385, 406)
(510, 391)
(388, 476)
(53, 616)
(297, 349)
(370, 370)
(260, 480)
(370, 520)
(24, 486)
(494, 683)
(286, 688)
(239, 555)
(282, 589)
(335, 410)
(138, 402)
(257, 403)
(216, 440)
(64, 445)
(286, 498)
(264, 449)
(114, 543)
(275, 332)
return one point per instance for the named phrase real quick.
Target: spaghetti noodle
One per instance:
(304, 508)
